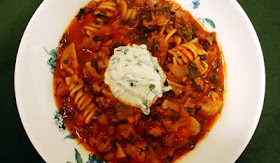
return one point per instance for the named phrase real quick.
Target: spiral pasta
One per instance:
(82, 99)
(187, 52)
(100, 89)
(108, 5)
(125, 12)
(202, 66)
(92, 71)
(170, 34)
(107, 9)
(92, 28)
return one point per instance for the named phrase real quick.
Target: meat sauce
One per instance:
(180, 119)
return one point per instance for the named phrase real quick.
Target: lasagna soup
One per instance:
(138, 80)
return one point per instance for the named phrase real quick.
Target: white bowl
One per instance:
(244, 95)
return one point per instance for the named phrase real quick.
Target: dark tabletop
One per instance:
(265, 144)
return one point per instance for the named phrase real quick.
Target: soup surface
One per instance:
(189, 95)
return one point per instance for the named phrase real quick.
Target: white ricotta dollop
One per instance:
(135, 77)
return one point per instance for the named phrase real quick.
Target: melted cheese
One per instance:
(135, 77)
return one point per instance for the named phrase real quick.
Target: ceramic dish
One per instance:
(229, 136)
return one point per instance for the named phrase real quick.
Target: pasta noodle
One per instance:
(202, 66)
(187, 52)
(127, 13)
(162, 31)
(170, 34)
(82, 99)
(92, 71)
(90, 28)
(107, 8)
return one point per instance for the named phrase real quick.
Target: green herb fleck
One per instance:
(117, 93)
(146, 105)
(139, 63)
(191, 95)
(183, 22)
(125, 51)
(152, 86)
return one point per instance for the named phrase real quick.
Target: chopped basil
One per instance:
(139, 63)
(125, 51)
(152, 86)
(146, 109)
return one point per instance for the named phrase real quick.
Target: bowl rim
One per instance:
(262, 74)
